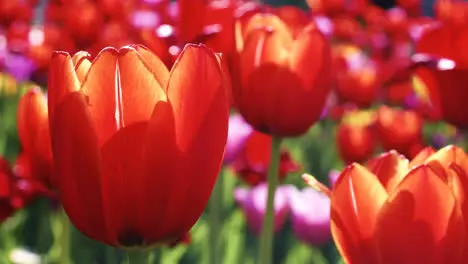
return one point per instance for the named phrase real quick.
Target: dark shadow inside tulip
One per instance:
(130, 238)
(276, 101)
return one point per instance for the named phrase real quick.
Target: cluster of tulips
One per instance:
(130, 114)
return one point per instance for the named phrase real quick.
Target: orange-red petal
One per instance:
(197, 95)
(390, 168)
(62, 80)
(78, 162)
(356, 200)
(103, 95)
(421, 222)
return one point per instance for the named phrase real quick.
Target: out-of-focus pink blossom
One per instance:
(310, 216)
(238, 132)
(253, 203)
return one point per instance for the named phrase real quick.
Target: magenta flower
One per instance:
(333, 177)
(253, 203)
(19, 66)
(310, 216)
(238, 132)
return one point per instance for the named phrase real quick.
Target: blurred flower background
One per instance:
(338, 81)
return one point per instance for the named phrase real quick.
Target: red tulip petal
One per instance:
(458, 182)
(263, 70)
(448, 155)
(257, 151)
(33, 131)
(77, 157)
(421, 157)
(32, 120)
(162, 180)
(313, 79)
(139, 90)
(197, 94)
(390, 168)
(82, 64)
(356, 200)
(122, 180)
(154, 63)
(62, 80)
(421, 222)
(103, 94)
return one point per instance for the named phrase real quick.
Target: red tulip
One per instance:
(253, 161)
(130, 141)
(399, 129)
(355, 138)
(280, 92)
(33, 131)
(8, 205)
(83, 20)
(397, 211)
(442, 71)
(359, 80)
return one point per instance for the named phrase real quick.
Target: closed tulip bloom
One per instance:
(400, 211)
(355, 137)
(284, 78)
(399, 129)
(33, 131)
(130, 141)
(310, 216)
(442, 67)
(251, 163)
(253, 203)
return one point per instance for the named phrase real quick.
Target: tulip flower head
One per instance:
(252, 163)
(279, 91)
(400, 211)
(129, 139)
(355, 137)
(33, 129)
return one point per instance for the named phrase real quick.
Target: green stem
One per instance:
(65, 238)
(215, 220)
(140, 257)
(266, 238)
(111, 257)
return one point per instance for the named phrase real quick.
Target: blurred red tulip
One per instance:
(191, 17)
(253, 161)
(354, 136)
(33, 131)
(346, 27)
(411, 7)
(9, 202)
(337, 7)
(453, 12)
(279, 91)
(133, 135)
(442, 67)
(396, 211)
(15, 10)
(399, 129)
(84, 21)
(358, 79)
